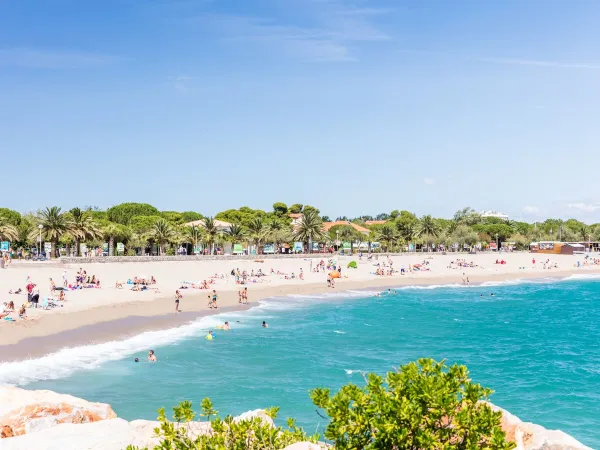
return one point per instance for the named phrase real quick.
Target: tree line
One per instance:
(139, 226)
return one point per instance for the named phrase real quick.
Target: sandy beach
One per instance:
(108, 313)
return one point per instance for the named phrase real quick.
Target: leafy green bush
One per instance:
(423, 405)
(252, 434)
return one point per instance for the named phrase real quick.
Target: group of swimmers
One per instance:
(209, 337)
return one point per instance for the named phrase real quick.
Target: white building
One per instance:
(496, 214)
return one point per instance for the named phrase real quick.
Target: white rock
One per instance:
(23, 411)
(257, 413)
(529, 436)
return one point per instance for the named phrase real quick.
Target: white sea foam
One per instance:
(339, 332)
(431, 286)
(66, 361)
(352, 372)
(582, 276)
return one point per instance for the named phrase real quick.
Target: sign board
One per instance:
(269, 248)
(493, 246)
(120, 247)
(105, 247)
(315, 246)
(237, 248)
(346, 245)
(83, 249)
(4, 246)
(298, 247)
(48, 248)
(411, 247)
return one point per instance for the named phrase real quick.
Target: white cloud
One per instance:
(182, 82)
(52, 59)
(585, 207)
(429, 181)
(541, 63)
(329, 30)
(529, 209)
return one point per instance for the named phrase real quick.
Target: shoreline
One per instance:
(124, 320)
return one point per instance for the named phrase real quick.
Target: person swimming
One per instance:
(151, 356)
(136, 360)
(210, 336)
(226, 326)
(264, 324)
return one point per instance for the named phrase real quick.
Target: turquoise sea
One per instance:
(536, 343)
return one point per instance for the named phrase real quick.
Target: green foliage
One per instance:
(310, 229)
(312, 209)
(54, 224)
(501, 229)
(173, 217)
(8, 230)
(143, 224)
(388, 236)
(191, 216)
(280, 208)
(424, 405)
(296, 208)
(225, 434)
(162, 232)
(10, 217)
(124, 212)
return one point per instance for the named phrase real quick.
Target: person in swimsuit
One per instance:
(245, 296)
(178, 297)
(264, 324)
(151, 356)
(214, 299)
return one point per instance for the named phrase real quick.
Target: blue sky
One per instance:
(215, 104)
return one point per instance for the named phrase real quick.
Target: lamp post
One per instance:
(40, 226)
(497, 246)
(337, 238)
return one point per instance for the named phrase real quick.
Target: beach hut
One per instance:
(556, 248)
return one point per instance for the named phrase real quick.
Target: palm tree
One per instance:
(8, 232)
(82, 227)
(257, 232)
(162, 232)
(211, 229)
(585, 232)
(275, 230)
(235, 234)
(279, 237)
(387, 235)
(427, 229)
(349, 234)
(309, 229)
(137, 240)
(112, 231)
(194, 234)
(54, 224)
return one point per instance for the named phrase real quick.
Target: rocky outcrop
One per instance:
(24, 412)
(529, 436)
(45, 420)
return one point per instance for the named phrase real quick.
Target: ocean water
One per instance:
(537, 344)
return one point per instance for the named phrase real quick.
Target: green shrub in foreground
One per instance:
(422, 406)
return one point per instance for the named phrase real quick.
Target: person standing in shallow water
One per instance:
(178, 297)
